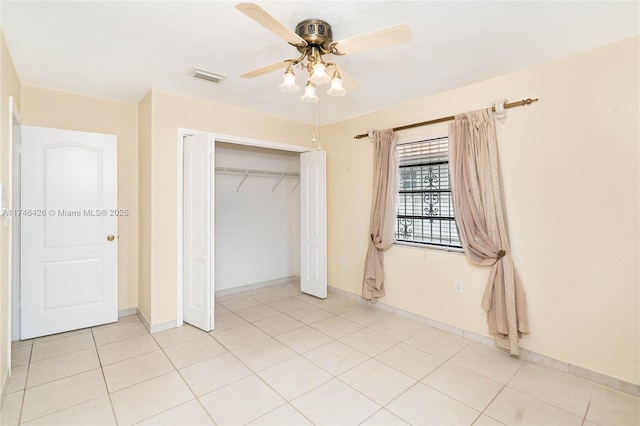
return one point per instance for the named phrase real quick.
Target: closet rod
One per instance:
(451, 117)
(256, 172)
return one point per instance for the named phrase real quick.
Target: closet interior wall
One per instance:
(257, 216)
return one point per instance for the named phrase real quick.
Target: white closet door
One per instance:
(198, 194)
(313, 230)
(69, 230)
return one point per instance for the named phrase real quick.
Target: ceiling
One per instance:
(120, 50)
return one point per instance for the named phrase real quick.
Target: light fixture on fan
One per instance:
(314, 38)
(317, 35)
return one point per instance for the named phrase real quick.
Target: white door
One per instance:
(197, 251)
(69, 228)
(313, 231)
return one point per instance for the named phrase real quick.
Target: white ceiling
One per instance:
(119, 50)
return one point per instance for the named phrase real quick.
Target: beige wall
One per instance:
(570, 167)
(170, 112)
(144, 208)
(9, 86)
(52, 108)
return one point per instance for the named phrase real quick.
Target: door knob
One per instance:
(110, 237)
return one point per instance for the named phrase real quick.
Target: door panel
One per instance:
(313, 234)
(69, 267)
(198, 193)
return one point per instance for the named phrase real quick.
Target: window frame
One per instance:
(418, 135)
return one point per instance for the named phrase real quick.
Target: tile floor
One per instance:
(279, 357)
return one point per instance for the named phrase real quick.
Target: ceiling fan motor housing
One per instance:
(315, 32)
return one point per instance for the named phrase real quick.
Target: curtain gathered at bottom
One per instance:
(383, 212)
(481, 219)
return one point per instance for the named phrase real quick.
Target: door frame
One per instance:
(217, 137)
(14, 146)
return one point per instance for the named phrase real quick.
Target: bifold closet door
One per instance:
(198, 256)
(313, 229)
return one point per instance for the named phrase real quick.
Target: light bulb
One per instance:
(309, 93)
(288, 84)
(336, 86)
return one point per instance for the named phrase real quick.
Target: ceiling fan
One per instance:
(314, 38)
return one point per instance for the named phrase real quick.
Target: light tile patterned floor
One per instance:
(279, 357)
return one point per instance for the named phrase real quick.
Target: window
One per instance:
(425, 204)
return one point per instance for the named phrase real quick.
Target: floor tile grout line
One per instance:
(586, 413)
(66, 408)
(422, 377)
(371, 399)
(26, 379)
(381, 408)
(24, 393)
(480, 412)
(172, 408)
(390, 402)
(279, 407)
(506, 385)
(56, 411)
(63, 355)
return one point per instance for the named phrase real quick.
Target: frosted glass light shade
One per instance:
(288, 84)
(336, 86)
(319, 75)
(309, 93)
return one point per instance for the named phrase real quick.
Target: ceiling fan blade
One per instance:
(265, 19)
(381, 38)
(265, 70)
(348, 82)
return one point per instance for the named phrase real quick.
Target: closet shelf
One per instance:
(268, 173)
(264, 173)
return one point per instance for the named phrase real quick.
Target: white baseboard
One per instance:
(127, 312)
(525, 354)
(234, 290)
(155, 328)
(144, 320)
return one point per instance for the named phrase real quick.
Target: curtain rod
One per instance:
(451, 117)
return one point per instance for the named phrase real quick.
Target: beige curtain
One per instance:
(482, 223)
(383, 212)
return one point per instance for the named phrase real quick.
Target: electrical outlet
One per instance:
(459, 288)
(343, 262)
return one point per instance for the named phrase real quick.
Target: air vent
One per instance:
(207, 75)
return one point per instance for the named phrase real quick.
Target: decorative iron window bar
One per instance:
(425, 205)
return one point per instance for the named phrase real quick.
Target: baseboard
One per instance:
(525, 354)
(156, 328)
(144, 320)
(127, 312)
(228, 291)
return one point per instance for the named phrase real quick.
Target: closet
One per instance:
(257, 215)
(252, 212)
